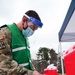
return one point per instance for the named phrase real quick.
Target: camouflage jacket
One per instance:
(8, 66)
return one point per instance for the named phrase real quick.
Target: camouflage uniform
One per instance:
(8, 66)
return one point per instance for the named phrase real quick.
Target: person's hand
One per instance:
(36, 72)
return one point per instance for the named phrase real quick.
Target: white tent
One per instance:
(67, 31)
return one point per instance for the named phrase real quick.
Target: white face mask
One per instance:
(27, 32)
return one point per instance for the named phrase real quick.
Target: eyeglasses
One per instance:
(32, 25)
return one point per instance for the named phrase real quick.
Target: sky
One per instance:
(52, 14)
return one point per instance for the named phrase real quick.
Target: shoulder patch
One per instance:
(1, 37)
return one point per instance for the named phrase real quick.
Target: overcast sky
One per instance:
(52, 13)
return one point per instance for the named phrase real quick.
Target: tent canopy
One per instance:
(67, 31)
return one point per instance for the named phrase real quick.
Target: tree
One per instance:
(53, 57)
(46, 56)
(43, 57)
(43, 54)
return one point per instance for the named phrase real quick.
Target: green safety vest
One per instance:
(20, 47)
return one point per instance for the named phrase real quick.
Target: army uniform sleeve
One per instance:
(8, 66)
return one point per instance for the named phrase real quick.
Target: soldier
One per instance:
(15, 56)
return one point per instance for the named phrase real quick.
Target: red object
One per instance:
(69, 62)
(50, 72)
